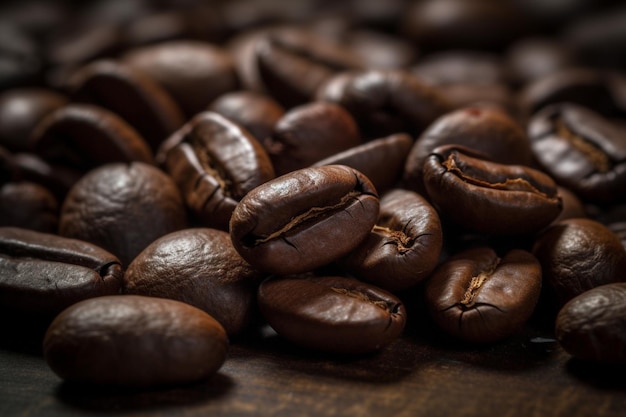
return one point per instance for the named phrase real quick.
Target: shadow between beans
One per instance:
(109, 399)
(601, 376)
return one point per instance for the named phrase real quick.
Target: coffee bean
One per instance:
(29, 206)
(488, 197)
(129, 93)
(214, 163)
(577, 255)
(404, 246)
(581, 150)
(193, 72)
(42, 273)
(199, 267)
(486, 129)
(331, 313)
(134, 342)
(592, 325)
(310, 132)
(84, 136)
(480, 297)
(122, 208)
(381, 160)
(304, 219)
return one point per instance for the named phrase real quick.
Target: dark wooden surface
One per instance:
(422, 374)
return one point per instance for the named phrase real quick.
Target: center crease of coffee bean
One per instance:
(476, 283)
(211, 170)
(509, 184)
(402, 241)
(362, 296)
(309, 215)
(598, 159)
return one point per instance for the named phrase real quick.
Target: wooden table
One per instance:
(422, 374)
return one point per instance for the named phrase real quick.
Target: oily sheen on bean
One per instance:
(134, 341)
(305, 219)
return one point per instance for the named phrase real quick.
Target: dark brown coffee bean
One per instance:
(256, 112)
(84, 136)
(134, 342)
(532, 58)
(122, 208)
(330, 313)
(199, 267)
(461, 67)
(577, 255)
(20, 110)
(29, 206)
(214, 163)
(139, 100)
(404, 246)
(193, 72)
(488, 197)
(381, 160)
(21, 63)
(293, 64)
(581, 150)
(58, 179)
(462, 24)
(592, 326)
(308, 133)
(586, 87)
(385, 102)
(479, 297)
(305, 219)
(573, 206)
(41, 273)
(380, 50)
(488, 130)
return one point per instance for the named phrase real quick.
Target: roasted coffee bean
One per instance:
(131, 94)
(480, 297)
(488, 197)
(20, 110)
(404, 245)
(577, 255)
(29, 206)
(381, 160)
(305, 219)
(461, 67)
(58, 179)
(486, 129)
(532, 58)
(256, 112)
(592, 326)
(573, 206)
(586, 87)
(84, 136)
(122, 208)
(199, 267)
(309, 133)
(380, 50)
(384, 102)
(292, 65)
(134, 342)
(214, 163)
(41, 273)
(20, 61)
(582, 150)
(461, 24)
(332, 313)
(193, 72)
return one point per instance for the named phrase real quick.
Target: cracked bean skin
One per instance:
(478, 297)
(42, 273)
(592, 326)
(404, 246)
(331, 313)
(490, 197)
(305, 219)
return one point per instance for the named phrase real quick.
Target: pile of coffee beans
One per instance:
(177, 174)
